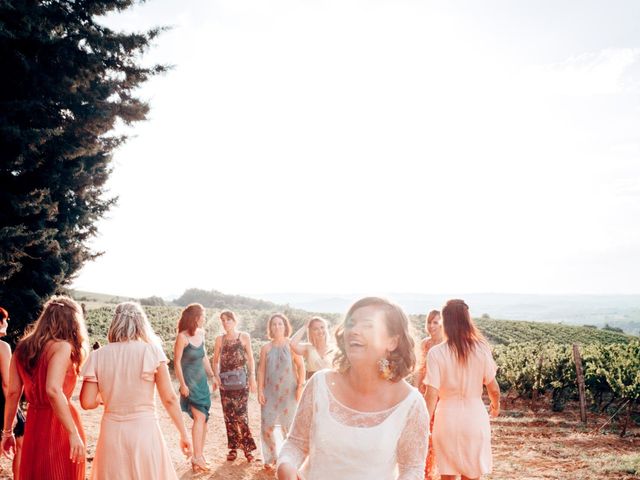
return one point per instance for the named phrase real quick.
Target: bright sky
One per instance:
(337, 146)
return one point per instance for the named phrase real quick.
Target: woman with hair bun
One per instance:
(123, 375)
(361, 420)
(192, 369)
(456, 372)
(46, 365)
(233, 366)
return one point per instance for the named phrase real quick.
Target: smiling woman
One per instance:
(356, 417)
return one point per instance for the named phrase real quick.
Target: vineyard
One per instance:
(535, 360)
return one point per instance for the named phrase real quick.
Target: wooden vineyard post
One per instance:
(580, 380)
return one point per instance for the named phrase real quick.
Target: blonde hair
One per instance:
(131, 323)
(61, 320)
(311, 322)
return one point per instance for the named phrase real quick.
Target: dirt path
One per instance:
(526, 447)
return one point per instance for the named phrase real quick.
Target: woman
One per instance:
(233, 360)
(192, 368)
(364, 420)
(18, 429)
(316, 351)
(456, 371)
(280, 383)
(45, 366)
(124, 375)
(433, 327)
(435, 332)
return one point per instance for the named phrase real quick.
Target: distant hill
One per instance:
(622, 311)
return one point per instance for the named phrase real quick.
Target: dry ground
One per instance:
(538, 446)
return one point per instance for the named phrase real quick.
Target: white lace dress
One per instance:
(336, 442)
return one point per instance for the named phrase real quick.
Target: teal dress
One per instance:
(196, 379)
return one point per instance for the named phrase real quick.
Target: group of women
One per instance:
(359, 420)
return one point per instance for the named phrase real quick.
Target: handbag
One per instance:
(234, 379)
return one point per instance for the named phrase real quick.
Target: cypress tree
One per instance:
(65, 80)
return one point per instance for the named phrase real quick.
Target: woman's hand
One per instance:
(261, 399)
(216, 383)
(253, 387)
(184, 391)
(76, 448)
(9, 446)
(185, 445)
(494, 410)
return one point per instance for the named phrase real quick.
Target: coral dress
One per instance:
(130, 444)
(461, 431)
(45, 447)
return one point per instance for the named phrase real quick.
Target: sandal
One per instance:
(199, 466)
(248, 456)
(232, 455)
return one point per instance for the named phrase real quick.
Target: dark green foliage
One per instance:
(215, 299)
(65, 82)
(152, 301)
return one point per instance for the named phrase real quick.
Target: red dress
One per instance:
(45, 447)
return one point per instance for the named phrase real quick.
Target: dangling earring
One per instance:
(384, 367)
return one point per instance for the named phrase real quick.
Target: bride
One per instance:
(362, 421)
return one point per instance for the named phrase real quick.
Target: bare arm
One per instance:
(262, 370)
(172, 406)
(422, 371)
(217, 348)
(207, 365)
(431, 396)
(300, 374)
(297, 345)
(89, 395)
(250, 362)
(14, 392)
(5, 362)
(178, 348)
(59, 363)
(493, 389)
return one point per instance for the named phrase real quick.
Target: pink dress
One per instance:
(130, 444)
(461, 431)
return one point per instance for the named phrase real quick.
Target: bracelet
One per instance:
(7, 434)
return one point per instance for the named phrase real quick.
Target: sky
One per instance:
(337, 146)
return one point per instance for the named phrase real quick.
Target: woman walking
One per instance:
(18, 430)
(192, 369)
(361, 421)
(233, 367)
(124, 375)
(316, 352)
(45, 366)
(433, 327)
(456, 372)
(280, 382)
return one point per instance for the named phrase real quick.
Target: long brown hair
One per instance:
(189, 318)
(461, 333)
(61, 320)
(403, 358)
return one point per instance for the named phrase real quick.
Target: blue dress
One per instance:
(196, 379)
(280, 394)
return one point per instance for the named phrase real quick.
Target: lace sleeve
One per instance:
(296, 447)
(413, 443)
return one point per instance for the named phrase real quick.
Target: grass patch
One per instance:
(621, 464)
